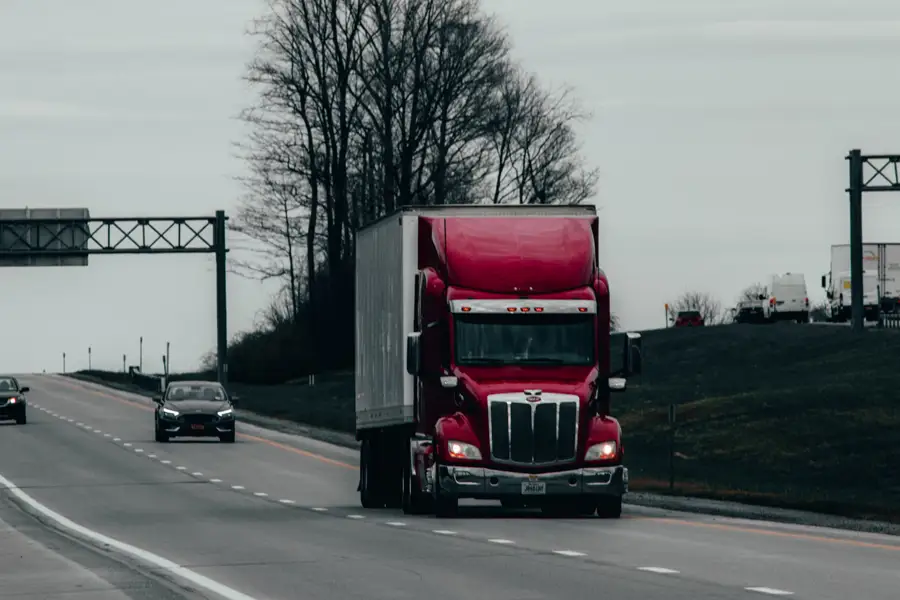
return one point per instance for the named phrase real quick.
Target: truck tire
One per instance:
(609, 507)
(368, 490)
(414, 501)
(445, 506)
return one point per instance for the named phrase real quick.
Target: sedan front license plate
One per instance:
(534, 488)
(196, 426)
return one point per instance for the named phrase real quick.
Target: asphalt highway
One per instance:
(276, 516)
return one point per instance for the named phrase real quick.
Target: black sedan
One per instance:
(195, 409)
(12, 401)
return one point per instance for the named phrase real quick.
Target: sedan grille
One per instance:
(537, 433)
(199, 419)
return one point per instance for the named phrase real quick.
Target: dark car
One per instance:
(12, 401)
(195, 409)
(689, 318)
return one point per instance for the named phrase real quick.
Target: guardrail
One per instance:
(889, 321)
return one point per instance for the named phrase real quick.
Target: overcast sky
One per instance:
(720, 129)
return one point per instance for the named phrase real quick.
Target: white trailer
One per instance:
(880, 260)
(838, 285)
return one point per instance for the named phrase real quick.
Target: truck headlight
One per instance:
(463, 450)
(170, 413)
(602, 451)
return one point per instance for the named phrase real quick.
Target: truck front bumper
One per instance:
(491, 484)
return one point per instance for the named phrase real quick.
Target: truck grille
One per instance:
(536, 433)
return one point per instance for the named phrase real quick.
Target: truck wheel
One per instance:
(609, 507)
(414, 501)
(445, 507)
(368, 491)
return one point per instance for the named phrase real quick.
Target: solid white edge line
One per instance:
(138, 553)
(769, 591)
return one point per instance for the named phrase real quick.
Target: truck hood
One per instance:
(480, 382)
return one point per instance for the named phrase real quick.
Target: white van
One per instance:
(788, 298)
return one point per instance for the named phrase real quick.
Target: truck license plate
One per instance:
(534, 488)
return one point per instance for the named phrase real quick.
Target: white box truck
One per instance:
(881, 261)
(838, 285)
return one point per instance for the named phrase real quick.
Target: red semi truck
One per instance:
(483, 361)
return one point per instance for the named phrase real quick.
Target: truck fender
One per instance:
(454, 427)
(605, 429)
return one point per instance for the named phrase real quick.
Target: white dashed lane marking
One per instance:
(443, 532)
(355, 517)
(286, 501)
(260, 494)
(769, 591)
(501, 541)
(317, 509)
(396, 524)
(660, 570)
(568, 553)
(215, 481)
(237, 487)
(197, 474)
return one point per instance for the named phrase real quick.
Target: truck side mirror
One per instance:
(829, 294)
(413, 354)
(823, 281)
(633, 358)
(617, 384)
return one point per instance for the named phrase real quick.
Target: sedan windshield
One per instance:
(195, 392)
(546, 339)
(8, 384)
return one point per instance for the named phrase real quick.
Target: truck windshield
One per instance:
(548, 339)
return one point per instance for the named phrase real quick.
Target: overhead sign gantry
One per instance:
(868, 173)
(67, 237)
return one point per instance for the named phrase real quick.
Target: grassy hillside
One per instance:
(794, 415)
(788, 415)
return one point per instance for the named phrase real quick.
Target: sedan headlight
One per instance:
(170, 413)
(226, 413)
(602, 451)
(463, 450)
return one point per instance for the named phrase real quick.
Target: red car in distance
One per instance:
(689, 318)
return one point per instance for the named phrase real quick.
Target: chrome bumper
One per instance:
(468, 482)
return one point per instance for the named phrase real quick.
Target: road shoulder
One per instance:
(37, 560)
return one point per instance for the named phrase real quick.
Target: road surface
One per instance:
(276, 516)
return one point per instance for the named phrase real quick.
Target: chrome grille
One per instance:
(533, 433)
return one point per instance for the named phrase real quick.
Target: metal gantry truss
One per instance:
(868, 173)
(155, 235)
(44, 241)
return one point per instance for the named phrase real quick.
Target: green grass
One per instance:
(785, 415)
(793, 415)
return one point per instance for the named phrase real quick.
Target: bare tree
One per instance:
(614, 324)
(705, 303)
(752, 292)
(367, 105)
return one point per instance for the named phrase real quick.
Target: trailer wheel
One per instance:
(369, 495)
